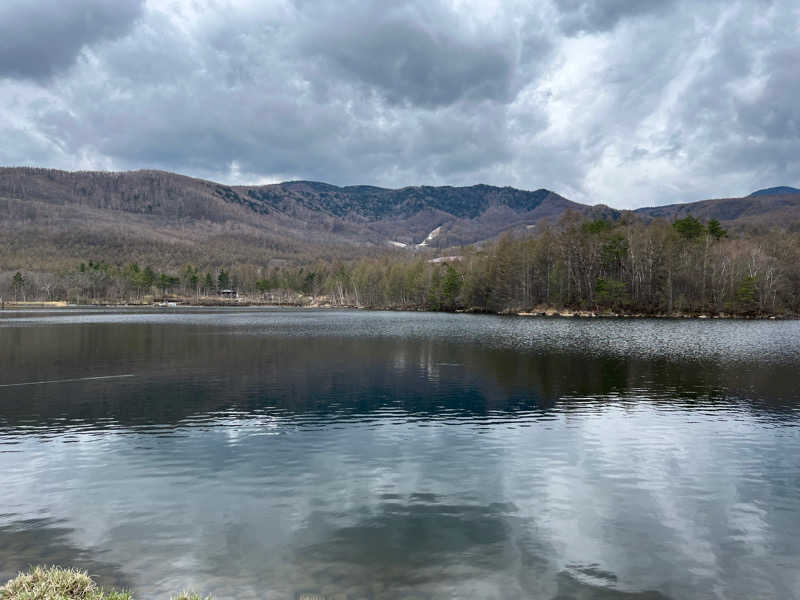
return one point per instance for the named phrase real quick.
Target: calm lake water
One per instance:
(276, 453)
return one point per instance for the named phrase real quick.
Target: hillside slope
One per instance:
(776, 191)
(759, 210)
(52, 219)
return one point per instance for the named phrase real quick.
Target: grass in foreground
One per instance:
(55, 583)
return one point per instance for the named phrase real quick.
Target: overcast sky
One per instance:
(628, 103)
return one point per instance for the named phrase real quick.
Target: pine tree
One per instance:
(19, 286)
(451, 286)
(715, 230)
(223, 279)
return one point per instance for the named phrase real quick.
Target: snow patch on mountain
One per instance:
(431, 236)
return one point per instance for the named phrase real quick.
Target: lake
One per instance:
(266, 453)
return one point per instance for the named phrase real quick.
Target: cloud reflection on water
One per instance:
(393, 464)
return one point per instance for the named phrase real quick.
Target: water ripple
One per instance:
(349, 455)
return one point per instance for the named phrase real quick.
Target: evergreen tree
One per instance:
(746, 295)
(148, 277)
(223, 279)
(611, 293)
(450, 288)
(18, 285)
(689, 228)
(715, 230)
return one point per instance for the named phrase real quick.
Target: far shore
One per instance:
(313, 303)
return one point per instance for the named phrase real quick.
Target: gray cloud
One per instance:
(41, 38)
(602, 15)
(416, 52)
(620, 103)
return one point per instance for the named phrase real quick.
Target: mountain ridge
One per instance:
(52, 215)
(775, 191)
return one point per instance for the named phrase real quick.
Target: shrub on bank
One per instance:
(55, 583)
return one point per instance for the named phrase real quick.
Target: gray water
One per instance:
(272, 453)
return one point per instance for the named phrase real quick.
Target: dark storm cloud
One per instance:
(41, 37)
(626, 103)
(259, 91)
(416, 52)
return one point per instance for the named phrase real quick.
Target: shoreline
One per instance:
(547, 312)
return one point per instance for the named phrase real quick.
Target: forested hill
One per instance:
(772, 207)
(421, 215)
(375, 203)
(57, 214)
(777, 191)
(176, 196)
(52, 219)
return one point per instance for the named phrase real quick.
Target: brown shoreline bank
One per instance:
(306, 302)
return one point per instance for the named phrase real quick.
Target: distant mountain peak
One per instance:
(776, 191)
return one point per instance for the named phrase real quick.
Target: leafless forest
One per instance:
(626, 266)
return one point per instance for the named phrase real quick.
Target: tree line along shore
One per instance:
(576, 268)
